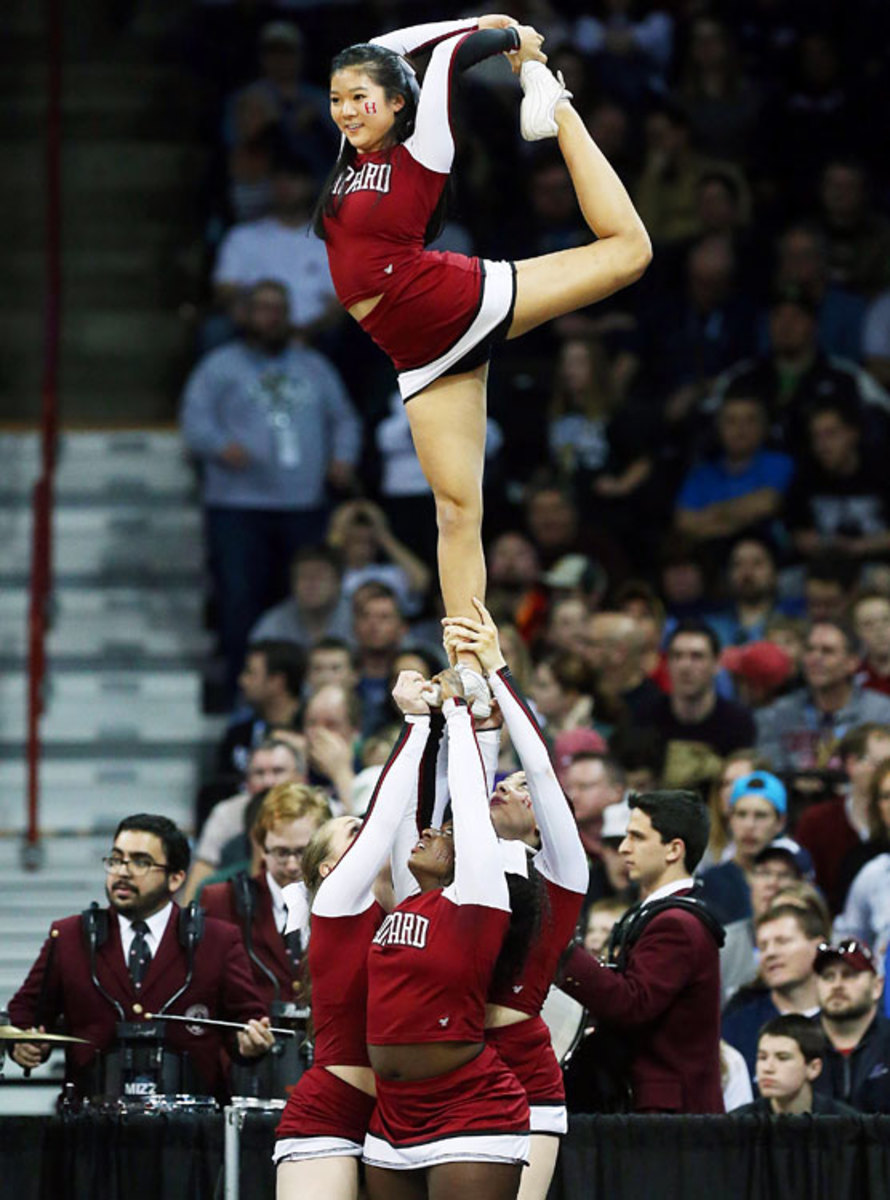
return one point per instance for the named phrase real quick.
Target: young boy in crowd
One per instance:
(601, 917)
(790, 1051)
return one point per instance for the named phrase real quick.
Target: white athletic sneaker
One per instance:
(476, 691)
(542, 91)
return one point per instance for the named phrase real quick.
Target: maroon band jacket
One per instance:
(667, 1003)
(218, 900)
(59, 987)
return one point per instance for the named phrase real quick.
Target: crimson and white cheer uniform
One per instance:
(437, 307)
(429, 972)
(561, 862)
(324, 1115)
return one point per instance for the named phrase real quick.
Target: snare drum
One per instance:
(567, 1021)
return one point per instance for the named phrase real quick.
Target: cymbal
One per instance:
(11, 1033)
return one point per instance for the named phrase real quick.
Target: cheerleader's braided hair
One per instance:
(529, 909)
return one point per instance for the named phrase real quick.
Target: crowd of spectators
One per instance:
(736, 392)
(687, 524)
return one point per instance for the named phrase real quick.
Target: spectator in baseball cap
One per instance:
(608, 874)
(777, 868)
(795, 857)
(758, 805)
(760, 671)
(573, 742)
(857, 1062)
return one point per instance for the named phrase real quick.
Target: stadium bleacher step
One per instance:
(30, 900)
(107, 100)
(134, 163)
(150, 464)
(140, 707)
(92, 793)
(114, 625)
(128, 522)
(123, 728)
(123, 540)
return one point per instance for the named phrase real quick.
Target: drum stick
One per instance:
(217, 1024)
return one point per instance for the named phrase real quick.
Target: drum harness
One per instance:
(143, 1062)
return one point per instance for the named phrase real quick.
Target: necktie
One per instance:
(293, 944)
(140, 953)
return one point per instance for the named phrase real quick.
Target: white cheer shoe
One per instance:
(476, 691)
(542, 91)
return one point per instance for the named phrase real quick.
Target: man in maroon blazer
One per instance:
(666, 1000)
(287, 818)
(127, 961)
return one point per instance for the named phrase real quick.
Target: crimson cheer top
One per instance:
(528, 992)
(345, 914)
(429, 970)
(338, 967)
(383, 205)
(431, 961)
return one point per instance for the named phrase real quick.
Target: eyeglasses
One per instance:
(138, 865)
(282, 853)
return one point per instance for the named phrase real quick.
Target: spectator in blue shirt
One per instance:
(788, 938)
(742, 489)
(271, 426)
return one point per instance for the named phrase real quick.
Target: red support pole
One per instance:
(41, 562)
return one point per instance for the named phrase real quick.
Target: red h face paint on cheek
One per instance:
(370, 107)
